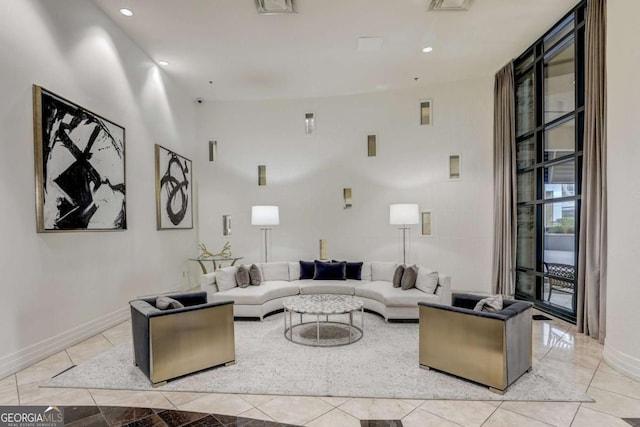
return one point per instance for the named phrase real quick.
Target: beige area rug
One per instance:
(383, 364)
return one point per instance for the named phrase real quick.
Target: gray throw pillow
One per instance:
(409, 277)
(255, 275)
(242, 276)
(491, 304)
(397, 276)
(166, 303)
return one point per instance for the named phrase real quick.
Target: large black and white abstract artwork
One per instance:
(174, 200)
(80, 167)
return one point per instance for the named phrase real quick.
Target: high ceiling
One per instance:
(313, 53)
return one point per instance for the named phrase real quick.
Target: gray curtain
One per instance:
(592, 259)
(504, 183)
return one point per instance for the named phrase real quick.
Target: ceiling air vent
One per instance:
(274, 7)
(447, 5)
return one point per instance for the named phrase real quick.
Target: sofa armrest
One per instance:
(187, 309)
(443, 290)
(208, 283)
(496, 316)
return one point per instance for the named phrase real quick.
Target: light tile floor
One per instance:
(576, 358)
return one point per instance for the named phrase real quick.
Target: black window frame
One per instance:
(523, 66)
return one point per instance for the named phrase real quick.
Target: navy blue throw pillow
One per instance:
(330, 271)
(354, 269)
(307, 270)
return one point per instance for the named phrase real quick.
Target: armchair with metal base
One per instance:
(171, 343)
(493, 349)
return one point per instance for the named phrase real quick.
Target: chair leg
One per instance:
(496, 391)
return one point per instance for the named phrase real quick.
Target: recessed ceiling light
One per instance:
(427, 49)
(163, 63)
(126, 12)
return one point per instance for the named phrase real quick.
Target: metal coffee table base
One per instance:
(288, 329)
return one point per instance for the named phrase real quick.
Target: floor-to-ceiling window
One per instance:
(549, 131)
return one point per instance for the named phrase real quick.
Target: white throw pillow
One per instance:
(275, 271)
(427, 280)
(294, 271)
(366, 272)
(226, 278)
(383, 271)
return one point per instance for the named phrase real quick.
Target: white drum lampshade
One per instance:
(404, 214)
(265, 215)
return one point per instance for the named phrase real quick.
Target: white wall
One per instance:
(306, 176)
(622, 344)
(57, 288)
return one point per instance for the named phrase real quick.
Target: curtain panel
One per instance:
(592, 254)
(504, 183)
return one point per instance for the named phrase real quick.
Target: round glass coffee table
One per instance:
(322, 306)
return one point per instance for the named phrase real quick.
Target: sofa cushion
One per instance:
(166, 303)
(409, 277)
(242, 276)
(385, 293)
(255, 274)
(294, 271)
(254, 295)
(274, 271)
(339, 287)
(397, 276)
(226, 278)
(307, 270)
(427, 280)
(354, 269)
(383, 271)
(330, 271)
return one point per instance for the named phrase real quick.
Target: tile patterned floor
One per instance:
(577, 358)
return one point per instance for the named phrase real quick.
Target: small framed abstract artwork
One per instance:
(426, 112)
(174, 201)
(79, 167)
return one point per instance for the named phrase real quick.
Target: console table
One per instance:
(216, 261)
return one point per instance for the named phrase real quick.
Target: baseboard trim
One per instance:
(21, 359)
(622, 362)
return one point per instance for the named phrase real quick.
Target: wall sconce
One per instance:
(226, 225)
(426, 224)
(323, 249)
(213, 151)
(346, 194)
(425, 112)
(371, 145)
(454, 166)
(309, 123)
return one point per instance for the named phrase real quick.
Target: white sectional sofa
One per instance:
(282, 280)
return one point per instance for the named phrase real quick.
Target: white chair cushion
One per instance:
(383, 271)
(427, 280)
(226, 278)
(275, 271)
